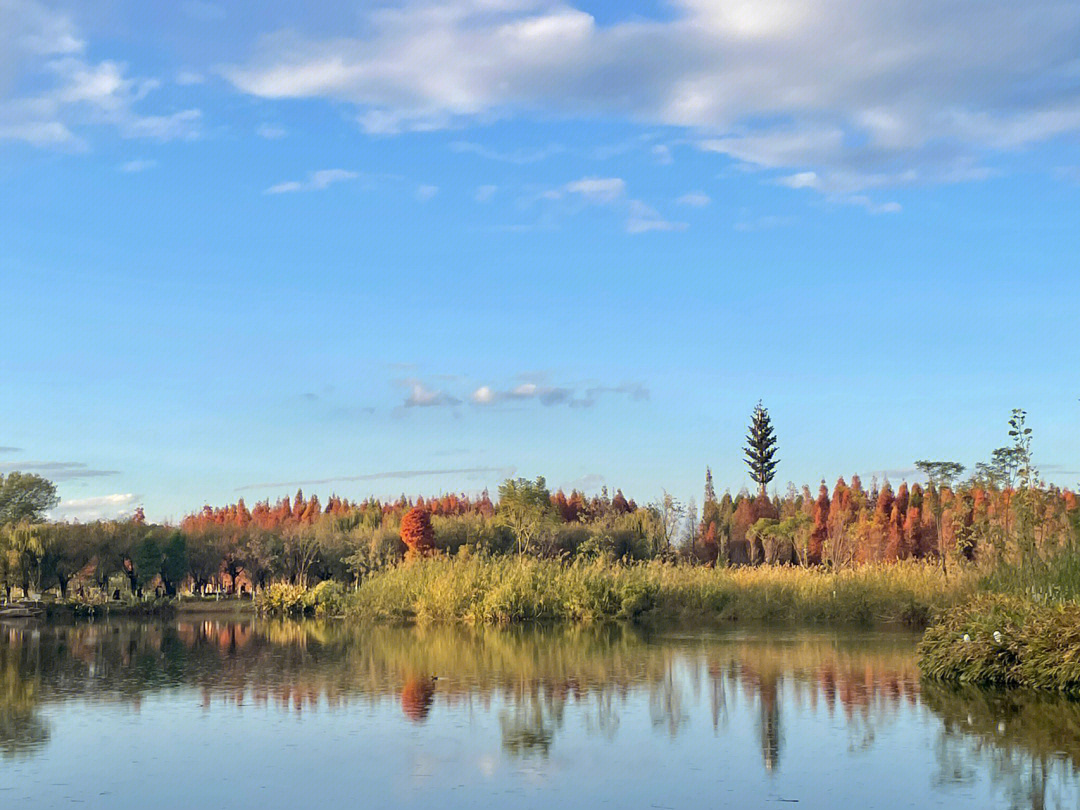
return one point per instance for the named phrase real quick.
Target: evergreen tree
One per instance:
(710, 490)
(761, 448)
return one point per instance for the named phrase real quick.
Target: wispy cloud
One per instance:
(51, 91)
(485, 193)
(611, 191)
(695, 199)
(662, 154)
(600, 190)
(271, 131)
(644, 219)
(187, 78)
(137, 165)
(56, 470)
(518, 156)
(316, 181)
(590, 482)
(426, 192)
(763, 223)
(10, 449)
(502, 472)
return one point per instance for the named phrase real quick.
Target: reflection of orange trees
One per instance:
(866, 684)
(530, 677)
(416, 698)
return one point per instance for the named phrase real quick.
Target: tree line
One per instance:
(1003, 511)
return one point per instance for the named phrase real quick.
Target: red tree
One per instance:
(416, 532)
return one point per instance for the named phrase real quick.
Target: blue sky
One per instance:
(417, 246)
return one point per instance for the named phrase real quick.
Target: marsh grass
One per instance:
(512, 590)
(1001, 640)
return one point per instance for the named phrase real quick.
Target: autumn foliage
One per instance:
(416, 531)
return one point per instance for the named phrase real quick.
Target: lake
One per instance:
(256, 714)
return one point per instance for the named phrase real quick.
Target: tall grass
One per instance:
(1055, 580)
(510, 590)
(998, 640)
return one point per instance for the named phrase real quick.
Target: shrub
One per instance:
(281, 599)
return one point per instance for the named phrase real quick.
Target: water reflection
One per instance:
(537, 682)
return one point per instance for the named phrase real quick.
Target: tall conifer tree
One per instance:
(761, 448)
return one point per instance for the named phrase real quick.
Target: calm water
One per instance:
(188, 714)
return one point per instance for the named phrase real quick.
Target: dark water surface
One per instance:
(191, 714)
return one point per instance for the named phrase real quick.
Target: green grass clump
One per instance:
(281, 599)
(1005, 641)
(508, 590)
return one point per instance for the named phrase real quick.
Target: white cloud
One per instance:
(662, 154)
(49, 89)
(865, 94)
(316, 181)
(695, 199)
(837, 191)
(420, 396)
(485, 193)
(611, 191)
(137, 165)
(546, 394)
(426, 192)
(597, 189)
(97, 508)
(573, 396)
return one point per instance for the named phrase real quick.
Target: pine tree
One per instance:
(761, 447)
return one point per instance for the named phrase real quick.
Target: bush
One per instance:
(325, 599)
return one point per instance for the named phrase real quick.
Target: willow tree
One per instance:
(761, 448)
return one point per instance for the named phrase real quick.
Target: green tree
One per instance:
(939, 474)
(525, 508)
(166, 559)
(25, 497)
(66, 550)
(761, 448)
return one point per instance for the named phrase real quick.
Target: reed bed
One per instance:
(513, 590)
(997, 640)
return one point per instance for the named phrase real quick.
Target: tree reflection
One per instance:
(1028, 742)
(530, 679)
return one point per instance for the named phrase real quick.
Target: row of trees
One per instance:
(236, 549)
(1002, 510)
